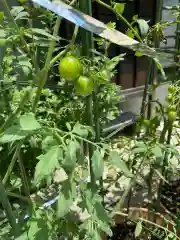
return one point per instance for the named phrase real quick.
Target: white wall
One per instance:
(133, 100)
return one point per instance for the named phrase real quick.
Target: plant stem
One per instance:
(12, 163)
(23, 174)
(62, 53)
(87, 46)
(168, 128)
(43, 78)
(7, 207)
(121, 17)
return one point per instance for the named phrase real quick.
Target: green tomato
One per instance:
(84, 86)
(147, 122)
(70, 68)
(172, 108)
(172, 116)
(169, 98)
(172, 89)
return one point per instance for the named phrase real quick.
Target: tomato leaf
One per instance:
(119, 7)
(138, 229)
(47, 164)
(38, 227)
(118, 163)
(29, 123)
(12, 134)
(65, 200)
(70, 159)
(97, 164)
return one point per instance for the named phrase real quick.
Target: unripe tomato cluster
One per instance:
(171, 100)
(70, 68)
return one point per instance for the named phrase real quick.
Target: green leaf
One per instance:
(144, 27)
(38, 227)
(157, 151)
(29, 123)
(68, 126)
(47, 164)
(70, 159)
(12, 134)
(111, 64)
(80, 130)
(118, 163)
(23, 236)
(160, 67)
(138, 229)
(111, 25)
(25, 64)
(43, 33)
(65, 200)
(48, 142)
(22, 15)
(130, 33)
(119, 7)
(16, 10)
(97, 164)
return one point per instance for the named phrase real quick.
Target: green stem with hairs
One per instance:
(23, 174)
(12, 163)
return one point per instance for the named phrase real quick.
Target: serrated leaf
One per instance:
(47, 164)
(43, 33)
(16, 10)
(111, 64)
(48, 143)
(100, 212)
(65, 200)
(25, 64)
(130, 33)
(12, 134)
(118, 163)
(22, 15)
(29, 123)
(97, 164)
(38, 227)
(80, 130)
(119, 7)
(69, 162)
(138, 229)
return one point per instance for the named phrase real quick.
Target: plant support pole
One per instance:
(87, 45)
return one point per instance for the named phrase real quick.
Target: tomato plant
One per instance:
(84, 85)
(70, 68)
